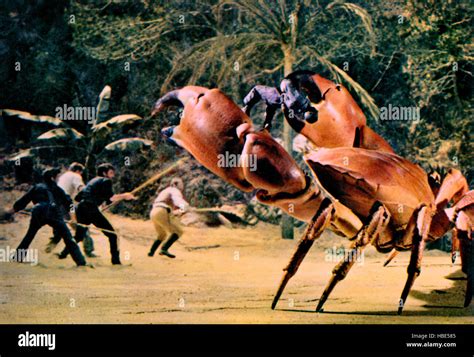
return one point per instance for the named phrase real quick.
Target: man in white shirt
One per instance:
(169, 200)
(72, 183)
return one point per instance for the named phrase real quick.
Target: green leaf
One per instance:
(45, 152)
(23, 154)
(129, 144)
(103, 106)
(12, 113)
(364, 17)
(106, 93)
(61, 135)
(123, 121)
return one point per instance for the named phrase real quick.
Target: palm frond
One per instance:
(214, 53)
(366, 99)
(258, 12)
(362, 14)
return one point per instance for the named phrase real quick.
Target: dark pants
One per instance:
(88, 213)
(270, 95)
(46, 214)
(88, 242)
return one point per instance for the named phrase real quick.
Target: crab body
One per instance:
(365, 195)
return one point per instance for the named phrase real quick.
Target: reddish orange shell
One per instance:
(359, 177)
(208, 129)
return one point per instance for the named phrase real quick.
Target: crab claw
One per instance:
(156, 109)
(168, 134)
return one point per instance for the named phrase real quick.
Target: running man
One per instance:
(71, 182)
(47, 197)
(169, 200)
(98, 191)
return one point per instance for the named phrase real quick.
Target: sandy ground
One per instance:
(220, 275)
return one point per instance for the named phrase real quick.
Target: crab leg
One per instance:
(467, 259)
(454, 245)
(392, 255)
(318, 224)
(419, 227)
(377, 222)
(464, 226)
(453, 187)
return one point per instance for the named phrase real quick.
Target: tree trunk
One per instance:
(287, 231)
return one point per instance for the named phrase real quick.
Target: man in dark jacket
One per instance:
(71, 182)
(47, 197)
(98, 191)
(272, 98)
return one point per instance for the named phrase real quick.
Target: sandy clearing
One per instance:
(221, 275)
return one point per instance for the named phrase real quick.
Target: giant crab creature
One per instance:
(365, 195)
(327, 115)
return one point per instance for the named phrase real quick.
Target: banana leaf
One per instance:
(129, 144)
(103, 106)
(12, 113)
(23, 154)
(48, 153)
(67, 135)
(124, 122)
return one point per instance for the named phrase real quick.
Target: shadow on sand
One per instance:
(435, 302)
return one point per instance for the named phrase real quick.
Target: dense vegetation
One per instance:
(399, 53)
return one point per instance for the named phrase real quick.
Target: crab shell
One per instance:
(337, 111)
(206, 139)
(358, 178)
(213, 126)
(341, 122)
(463, 213)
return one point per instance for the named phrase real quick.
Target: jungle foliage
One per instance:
(401, 52)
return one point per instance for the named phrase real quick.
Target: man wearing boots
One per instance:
(71, 182)
(98, 191)
(47, 198)
(171, 198)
